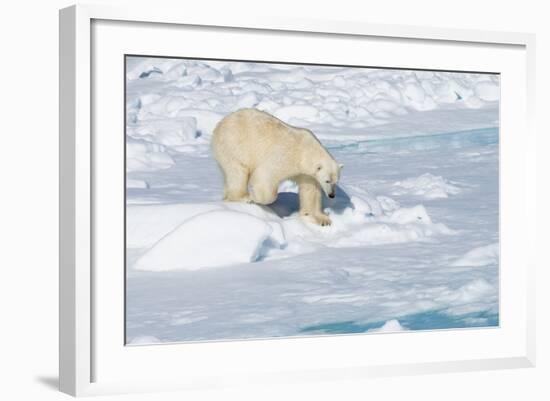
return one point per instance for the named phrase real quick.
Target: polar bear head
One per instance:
(327, 174)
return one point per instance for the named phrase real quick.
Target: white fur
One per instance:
(257, 151)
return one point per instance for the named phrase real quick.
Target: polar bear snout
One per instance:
(329, 189)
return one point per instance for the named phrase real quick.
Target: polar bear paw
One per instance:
(323, 220)
(241, 198)
(320, 219)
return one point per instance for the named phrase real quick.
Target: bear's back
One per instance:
(254, 125)
(252, 137)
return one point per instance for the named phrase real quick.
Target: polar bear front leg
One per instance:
(263, 189)
(311, 201)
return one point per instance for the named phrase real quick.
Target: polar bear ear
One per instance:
(340, 166)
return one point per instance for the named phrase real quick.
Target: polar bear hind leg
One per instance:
(311, 201)
(263, 189)
(235, 183)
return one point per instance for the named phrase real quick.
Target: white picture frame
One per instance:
(82, 344)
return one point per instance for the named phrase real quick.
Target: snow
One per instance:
(297, 113)
(389, 327)
(187, 237)
(487, 91)
(142, 155)
(147, 224)
(142, 340)
(414, 240)
(208, 239)
(175, 103)
(480, 256)
(136, 184)
(428, 186)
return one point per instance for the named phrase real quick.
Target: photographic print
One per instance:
(269, 199)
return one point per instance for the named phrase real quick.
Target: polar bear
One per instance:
(256, 152)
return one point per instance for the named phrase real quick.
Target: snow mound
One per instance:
(209, 239)
(470, 297)
(194, 236)
(427, 185)
(391, 326)
(146, 224)
(480, 256)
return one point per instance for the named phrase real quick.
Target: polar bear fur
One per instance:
(256, 152)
